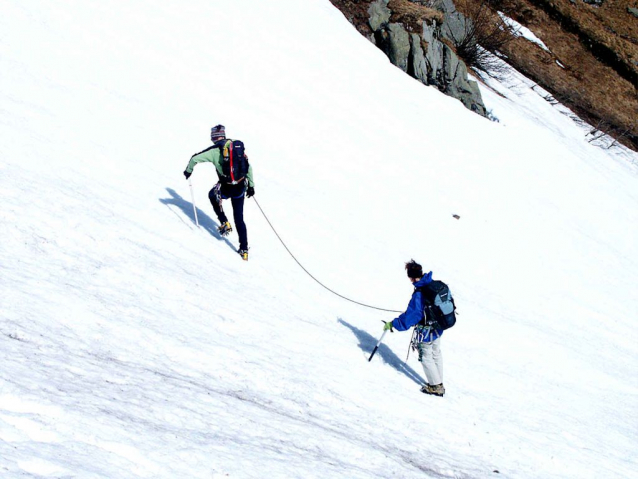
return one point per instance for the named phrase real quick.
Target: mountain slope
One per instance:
(591, 63)
(137, 345)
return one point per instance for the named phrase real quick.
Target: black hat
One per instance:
(414, 269)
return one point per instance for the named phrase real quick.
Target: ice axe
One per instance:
(190, 184)
(377, 346)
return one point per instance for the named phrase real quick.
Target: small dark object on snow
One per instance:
(496, 471)
(456, 216)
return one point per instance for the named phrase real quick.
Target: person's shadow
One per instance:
(186, 207)
(367, 343)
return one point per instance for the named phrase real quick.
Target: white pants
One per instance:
(432, 361)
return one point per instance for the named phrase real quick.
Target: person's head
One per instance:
(217, 133)
(414, 270)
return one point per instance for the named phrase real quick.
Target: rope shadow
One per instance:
(205, 221)
(367, 343)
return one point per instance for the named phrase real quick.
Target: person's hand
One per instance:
(387, 326)
(250, 192)
(187, 174)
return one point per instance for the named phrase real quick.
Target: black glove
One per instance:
(187, 174)
(250, 191)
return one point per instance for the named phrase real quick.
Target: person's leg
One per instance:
(215, 198)
(438, 357)
(429, 366)
(238, 216)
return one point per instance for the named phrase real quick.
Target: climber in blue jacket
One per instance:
(426, 339)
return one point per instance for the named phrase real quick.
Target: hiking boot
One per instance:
(225, 229)
(243, 253)
(435, 390)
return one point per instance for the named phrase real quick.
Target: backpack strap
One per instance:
(227, 152)
(426, 304)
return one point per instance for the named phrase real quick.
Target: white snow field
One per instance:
(135, 345)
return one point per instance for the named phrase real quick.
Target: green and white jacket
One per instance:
(213, 155)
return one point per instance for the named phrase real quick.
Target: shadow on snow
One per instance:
(367, 343)
(205, 221)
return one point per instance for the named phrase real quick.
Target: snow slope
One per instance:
(134, 344)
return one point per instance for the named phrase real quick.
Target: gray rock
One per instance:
(419, 64)
(455, 25)
(445, 6)
(457, 84)
(436, 64)
(450, 64)
(433, 55)
(379, 14)
(633, 11)
(399, 45)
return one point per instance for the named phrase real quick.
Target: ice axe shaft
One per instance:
(377, 346)
(190, 185)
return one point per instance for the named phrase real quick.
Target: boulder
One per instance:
(455, 25)
(459, 85)
(419, 63)
(433, 54)
(399, 45)
(379, 14)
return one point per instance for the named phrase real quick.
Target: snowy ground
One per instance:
(133, 344)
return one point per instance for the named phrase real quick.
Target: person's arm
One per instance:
(210, 154)
(249, 177)
(412, 315)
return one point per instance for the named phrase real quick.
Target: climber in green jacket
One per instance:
(235, 181)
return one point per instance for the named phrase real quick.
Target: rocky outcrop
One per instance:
(379, 15)
(455, 24)
(423, 55)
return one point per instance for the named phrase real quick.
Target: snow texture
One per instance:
(135, 345)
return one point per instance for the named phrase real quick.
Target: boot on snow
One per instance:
(225, 229)
(243, 253)
(435, 390)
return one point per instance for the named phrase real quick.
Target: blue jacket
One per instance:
(414, 314)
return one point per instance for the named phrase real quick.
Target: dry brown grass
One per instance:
(356, 11)
(597, 81)
(486, 32)
(609, 31)
(412, 15)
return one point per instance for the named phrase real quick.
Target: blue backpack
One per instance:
(438, 305)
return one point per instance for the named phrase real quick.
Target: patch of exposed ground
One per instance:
(412, 15)
(593, 64)
(356, 11)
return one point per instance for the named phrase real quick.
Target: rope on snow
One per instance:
(308, 272)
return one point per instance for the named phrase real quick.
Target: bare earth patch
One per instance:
(593, 64)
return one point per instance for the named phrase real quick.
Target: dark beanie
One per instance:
(414, 269)
(218, 131)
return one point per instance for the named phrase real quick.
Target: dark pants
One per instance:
(236, 194)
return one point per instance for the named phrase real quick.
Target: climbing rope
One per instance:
(308, 272)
